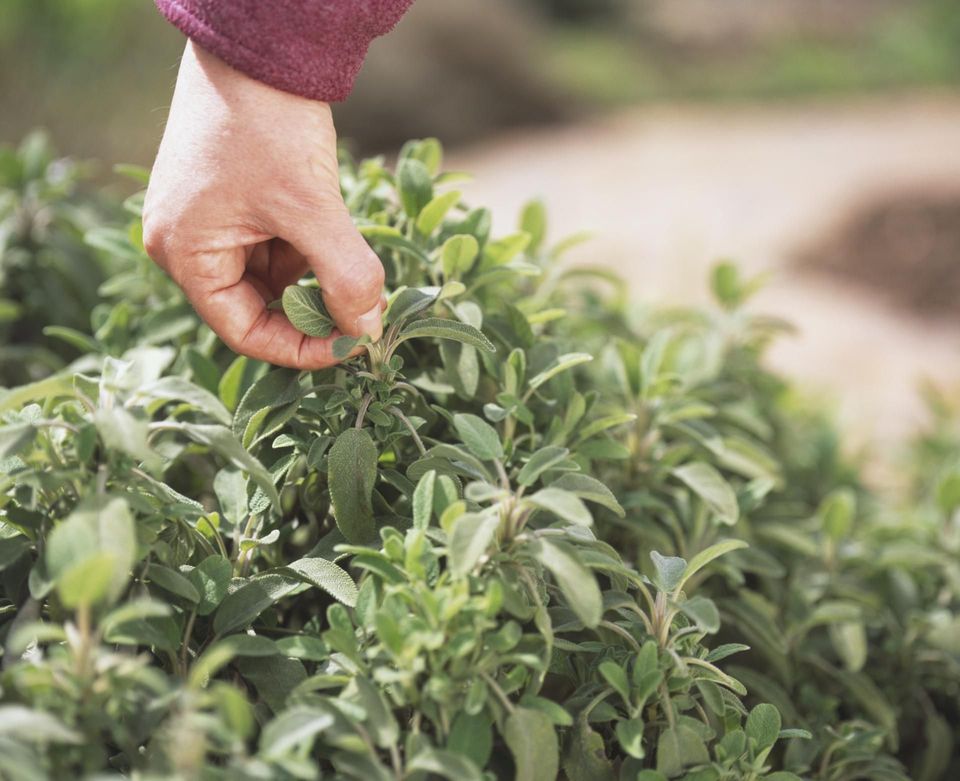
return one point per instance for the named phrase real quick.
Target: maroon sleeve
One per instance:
(312, 48)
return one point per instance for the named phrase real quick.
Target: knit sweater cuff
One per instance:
(312, 48)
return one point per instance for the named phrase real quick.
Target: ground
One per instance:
(669, 191)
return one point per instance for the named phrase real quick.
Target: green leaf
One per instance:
(15, 437)
(423, 500)
(414, 186)
(306, 311)
(458, 255)
(411, 301)
(837, 512)
(849, 640)
(352, 472)
(90, 554)
(327, 576)
(533, 222)
(576, 582)
(616, 676)
(560, 364)
(564, 504)
(533, 742)
(669, 571)
(471, 735)
(630, 734)
(173, 582)
(24, 724)
(276, 389)
(210, 578)
(470, 537)
(540, 462)
(56, 385)
(379, 721)
(294, 727)
(703, 613)
(948, 493)
(479, 436)
(585, 758)
(679, 747)
(445, 764)
(763, 725)
(221, 440)
(709, 485)
(704, 557)
(433, 213)
(179, 389)
(344, 345)
(440, 328)
(243, 606)
(590, 489)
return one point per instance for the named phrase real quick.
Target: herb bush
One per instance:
(532, 533)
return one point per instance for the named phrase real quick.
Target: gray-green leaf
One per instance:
(306, 311)
(352, 472)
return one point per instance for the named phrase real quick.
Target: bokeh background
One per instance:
(815, 140)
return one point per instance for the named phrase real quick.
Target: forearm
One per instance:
(312, 48)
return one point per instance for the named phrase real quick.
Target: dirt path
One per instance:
(669, 191)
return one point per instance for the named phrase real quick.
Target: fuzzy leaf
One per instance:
(479, 436)
(306, 311)
(533, 743)
(709, 485)
(352, 472)
(440, 328)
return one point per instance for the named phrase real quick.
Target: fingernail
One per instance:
(371, 324)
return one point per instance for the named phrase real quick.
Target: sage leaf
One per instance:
(576, 582)
(351, 474)
(479, 436)
(470, 537)
(532, 740)
(709, 485)
(414, 186)
(590, 489)
(441, 328)
(327, 576)
(763, 725)
(540, 462)
(564, 504)
(669, 570)
(306, 311)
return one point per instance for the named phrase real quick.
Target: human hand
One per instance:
(244, 198)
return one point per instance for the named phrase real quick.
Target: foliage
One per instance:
(529, 534)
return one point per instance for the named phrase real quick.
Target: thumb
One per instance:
(349, 272)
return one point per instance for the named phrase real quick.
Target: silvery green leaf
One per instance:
(458, 254)
(705, 481)
(306, 311)
(590, 489)
(576, 582)
(433, 213)
(440, 328)
(471, 537)
(328, 576)
(540, 462)
(564, 504)
(351, 474)
(411, 301)
(479, 436)
(560, 364)
(532, 741)
(669, 570)
(414, 185)
(344, 345)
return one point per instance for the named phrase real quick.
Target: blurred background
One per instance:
(817, 140)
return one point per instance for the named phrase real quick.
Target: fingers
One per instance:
(230, 299)
(349, 272)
